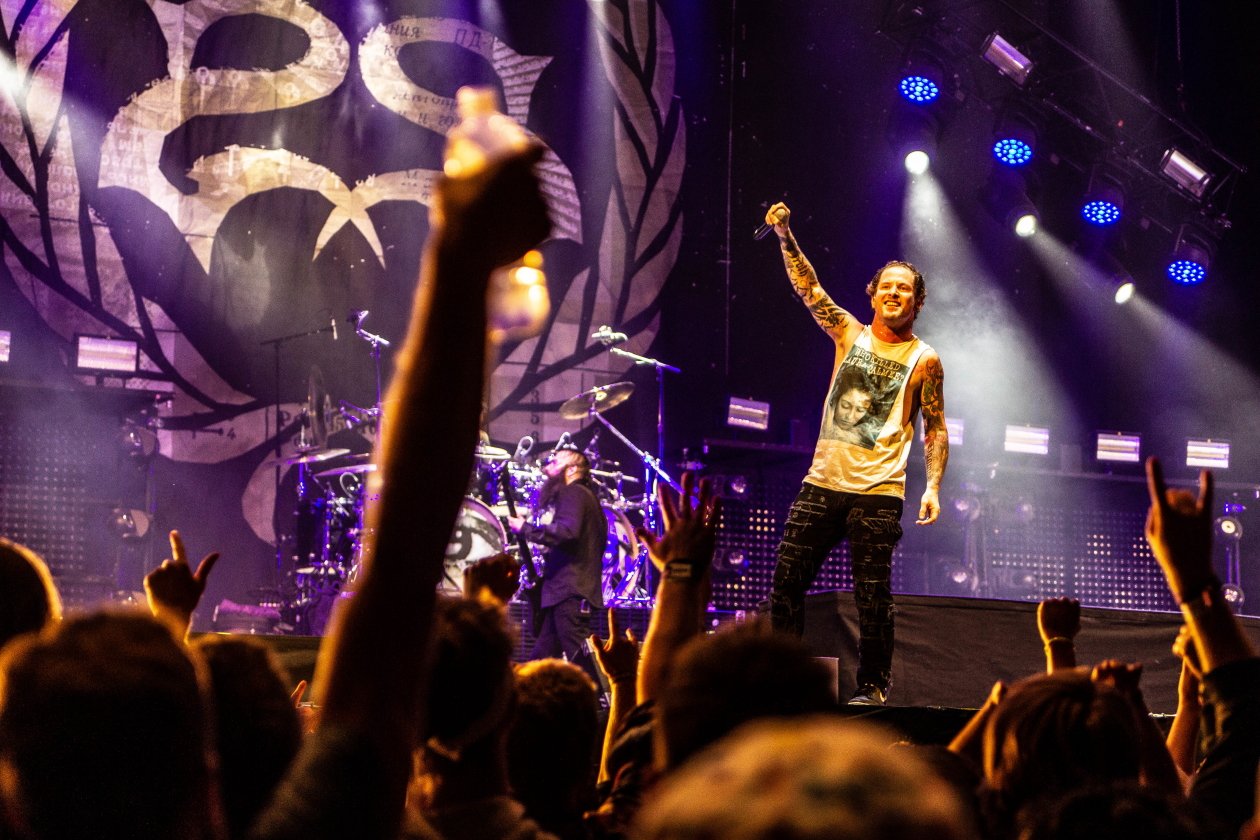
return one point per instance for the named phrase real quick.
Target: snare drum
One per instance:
(478, 534)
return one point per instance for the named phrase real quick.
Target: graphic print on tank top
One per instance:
(861, 397)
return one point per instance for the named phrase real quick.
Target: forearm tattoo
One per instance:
(935, 432)
(825, 311)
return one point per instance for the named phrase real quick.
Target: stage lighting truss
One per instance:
(1104, 199)
(1158, 158)
(1008, 60)
(1191, 255)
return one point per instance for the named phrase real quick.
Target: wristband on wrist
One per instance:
(1058, 639)
(1196, 595)
(679, 570)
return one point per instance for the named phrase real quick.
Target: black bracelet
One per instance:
(1212, 584)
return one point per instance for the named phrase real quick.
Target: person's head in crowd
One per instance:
(471, 695)
(256, 725)
(28, 596)
(721, 680)
(815, 777)
(553, 741)
(1053, 734)
(104, 732)
(1121, 810)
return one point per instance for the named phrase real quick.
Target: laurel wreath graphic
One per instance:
(642, 226)
(63, 259)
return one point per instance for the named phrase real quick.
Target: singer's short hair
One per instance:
(920, 285)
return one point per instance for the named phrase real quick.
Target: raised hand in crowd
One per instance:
(618, 660)
(496, 577)
(970, 739)
(370, 678)
(682, 556)
(1158, 769)
(1179, 531)
(174, 589)
(1183, 735)
(1058, 622)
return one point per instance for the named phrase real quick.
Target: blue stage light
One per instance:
(1191, 256)
(1012, 151)
(919, 89)
(1101, 213)
(1186, 272)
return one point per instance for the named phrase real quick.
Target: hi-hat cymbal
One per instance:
(353, 469)
(308, 457)
(596, 401)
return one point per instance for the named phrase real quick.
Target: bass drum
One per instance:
(621, 558)
(478, 534)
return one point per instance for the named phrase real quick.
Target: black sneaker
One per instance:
(869, 695)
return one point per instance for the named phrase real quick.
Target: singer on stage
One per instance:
(882, 377)
(574, 539)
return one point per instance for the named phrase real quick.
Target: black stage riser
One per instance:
(950, 651)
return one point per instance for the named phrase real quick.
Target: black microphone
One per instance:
(333, 322)
(765, 228)
(606, 335)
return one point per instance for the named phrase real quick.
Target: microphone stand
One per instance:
(661, 369)
(377, 342)
(652, 472)
(275, 344)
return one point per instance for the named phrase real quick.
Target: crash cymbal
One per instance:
(596, 401)
(353, 469)
(486, 452)
(311, 456)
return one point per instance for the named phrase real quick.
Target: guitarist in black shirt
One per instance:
(574, 539)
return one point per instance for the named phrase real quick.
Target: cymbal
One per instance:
(309, 457)
(353, 469)
(597, 400)
(619, 476)
(486, 452)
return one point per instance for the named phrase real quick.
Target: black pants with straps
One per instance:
(818, 520)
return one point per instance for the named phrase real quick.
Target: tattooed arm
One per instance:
(935, 436)
(835, 321)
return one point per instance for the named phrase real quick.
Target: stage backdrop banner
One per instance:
(205, 177)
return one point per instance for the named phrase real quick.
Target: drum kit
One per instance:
(322, 554)
(324, 550)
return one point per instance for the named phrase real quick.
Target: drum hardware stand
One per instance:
(651, 519)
